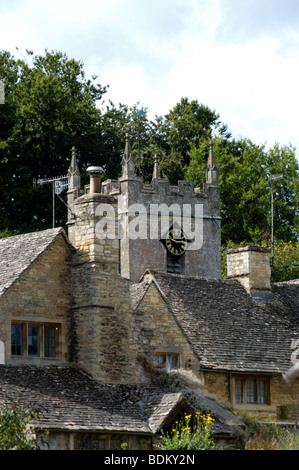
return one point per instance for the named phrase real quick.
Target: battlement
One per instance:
(157, 186)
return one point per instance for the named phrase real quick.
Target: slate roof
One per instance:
(227, 329)
(70, 400)
(18, 252)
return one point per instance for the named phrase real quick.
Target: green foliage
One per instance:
(286, 262)
(15, 433)
(190, 433)
(5, 233)
(182, 128)
(245, 188)
(268, 435)
(49, 107)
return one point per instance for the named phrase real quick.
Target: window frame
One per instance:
(246, 391)
(163, 361)
(40, 351)
(20, 343)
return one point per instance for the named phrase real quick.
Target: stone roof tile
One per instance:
(70, 400)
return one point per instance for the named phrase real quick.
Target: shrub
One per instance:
(190, 433)
(268, 435)
(15, 433)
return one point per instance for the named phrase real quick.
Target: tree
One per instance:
(185, 127)
(15, 433)
(245, 188)
(49, 107)
(286, 262)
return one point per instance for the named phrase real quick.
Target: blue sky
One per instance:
(239, 57)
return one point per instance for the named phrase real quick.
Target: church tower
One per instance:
(151, 215)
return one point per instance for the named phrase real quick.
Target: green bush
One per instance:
(15, 433)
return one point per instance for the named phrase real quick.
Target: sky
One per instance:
(238, 57)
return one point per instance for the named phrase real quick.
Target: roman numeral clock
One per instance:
(176, 241)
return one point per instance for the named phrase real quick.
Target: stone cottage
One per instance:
(120, 326)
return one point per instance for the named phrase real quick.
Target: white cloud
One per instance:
(156, 52)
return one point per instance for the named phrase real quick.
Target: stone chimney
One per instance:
(251, 266)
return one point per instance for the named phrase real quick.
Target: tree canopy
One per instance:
(245, 171)
(50, 106)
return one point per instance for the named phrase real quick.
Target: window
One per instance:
(97, 442)
(90, 443)
(50, 341)
(169, 361)
(239, 391)
(34, 340)
(17, 340)
(252, 391)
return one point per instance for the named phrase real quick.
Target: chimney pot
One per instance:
(95, 178)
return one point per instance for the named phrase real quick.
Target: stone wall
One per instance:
(139, 254)
(94, 231)
(40, 296)
(155, 332)
(92, 441)
(284, 402)
(100, 323)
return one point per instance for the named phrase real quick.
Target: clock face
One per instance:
(176, 242)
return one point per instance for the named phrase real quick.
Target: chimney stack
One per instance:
(251, 266)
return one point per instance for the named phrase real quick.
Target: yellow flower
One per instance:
(209, 419)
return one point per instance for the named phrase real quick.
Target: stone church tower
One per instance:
(121, 228)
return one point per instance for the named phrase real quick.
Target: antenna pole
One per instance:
(53, 198)
(62, 183)
(273, 178)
